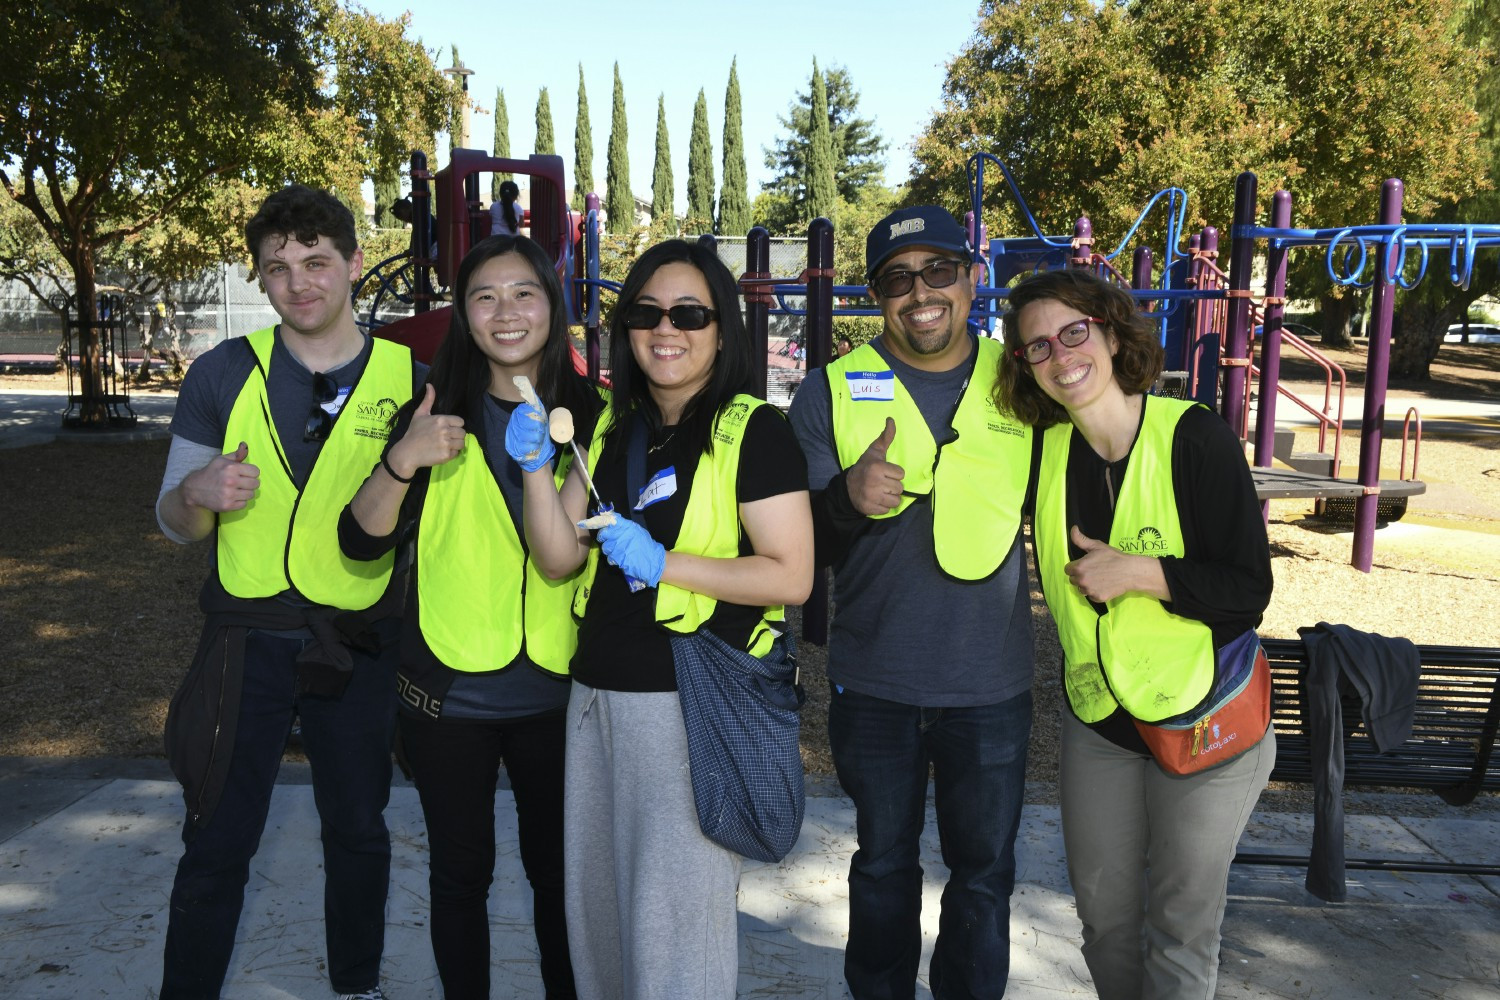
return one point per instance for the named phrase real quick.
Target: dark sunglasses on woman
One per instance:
(644, 316)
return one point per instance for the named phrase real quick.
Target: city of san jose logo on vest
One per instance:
(735, 412)
(1146, 541)
(373, 418)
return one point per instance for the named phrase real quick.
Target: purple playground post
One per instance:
(758, 301)
(1140, 271)
(819, 335)
(422, 235)
(1083, 243)
(592, 313)
(818, 338)
(1270, 343)
(1190, 320)
(1377, 373)
(1236, 358)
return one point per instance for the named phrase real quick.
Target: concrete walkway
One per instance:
(87, 852)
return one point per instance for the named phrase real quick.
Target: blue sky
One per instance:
(896, 55)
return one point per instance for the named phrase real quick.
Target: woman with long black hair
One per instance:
(722, 541)
(487, 638)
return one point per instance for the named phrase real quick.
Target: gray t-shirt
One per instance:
(904, 630)
(207, 399)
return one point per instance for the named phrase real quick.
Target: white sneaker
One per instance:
(373, 993)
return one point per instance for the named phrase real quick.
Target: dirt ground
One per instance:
(98, 612)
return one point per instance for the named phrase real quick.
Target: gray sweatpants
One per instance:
(1149, 856)
(650, 900)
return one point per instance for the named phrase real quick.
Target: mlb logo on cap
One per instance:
(920, 226)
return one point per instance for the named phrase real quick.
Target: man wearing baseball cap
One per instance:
(919, 483)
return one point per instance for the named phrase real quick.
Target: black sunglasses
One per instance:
(938, 274)
(320, 421)
(644, 316)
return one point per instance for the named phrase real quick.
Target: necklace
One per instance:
(666, 440)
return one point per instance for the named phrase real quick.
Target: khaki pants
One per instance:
(1149, 856)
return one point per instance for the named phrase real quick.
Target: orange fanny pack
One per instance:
(1218, 733)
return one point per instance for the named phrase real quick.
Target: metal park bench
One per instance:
(1449, 752)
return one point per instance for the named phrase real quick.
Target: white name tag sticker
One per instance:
(333, 406)
(661, 486)
(871, 386)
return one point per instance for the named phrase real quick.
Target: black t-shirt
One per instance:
(620, 645)
(1223, 578)
(504, 692)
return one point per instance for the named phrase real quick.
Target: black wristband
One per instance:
(386, 464)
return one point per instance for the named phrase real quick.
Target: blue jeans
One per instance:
(348, 743)
(882, 750)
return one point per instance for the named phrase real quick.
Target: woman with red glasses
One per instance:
(1154, 562)
(711, 533)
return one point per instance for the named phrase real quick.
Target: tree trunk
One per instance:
(1422, 327)
(93, 410)
(1337, 311)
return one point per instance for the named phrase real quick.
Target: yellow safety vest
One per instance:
(1137, 655)
(286, 537)
(478, 592)
(710, 527)
(976, 482)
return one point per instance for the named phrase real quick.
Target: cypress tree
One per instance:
(502, 142)
(734, 196)
(661, 177)
(583, 147)
(700, 185)
(545, 142)
(619, 203)
(822, 185)
(387, 190)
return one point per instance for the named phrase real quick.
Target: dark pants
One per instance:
(455, 766)
(882, 750)
(348, 744)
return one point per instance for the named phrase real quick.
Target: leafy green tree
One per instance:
(389, 85)
(1427, 311)
(619, 203)
(546, 142)
(822, 191)
(1095, 106)
(74, 67)
(502, 143)
(583, 147)
(224, 99)
(387, 191)
(700, 185)
(858, 153)
(661, 176)
(734, 201)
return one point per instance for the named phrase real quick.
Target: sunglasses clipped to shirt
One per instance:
(319, 420)
(644, 316)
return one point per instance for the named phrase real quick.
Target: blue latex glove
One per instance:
(527, 439)
(631, 547)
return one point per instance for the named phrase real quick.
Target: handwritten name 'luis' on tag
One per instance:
(871, 386)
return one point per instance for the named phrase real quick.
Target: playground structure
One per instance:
(1210, 320)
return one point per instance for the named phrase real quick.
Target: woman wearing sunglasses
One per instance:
(486, 637)
(712, 531)
(1154, 562)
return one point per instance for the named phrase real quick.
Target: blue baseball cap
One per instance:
(919, 226)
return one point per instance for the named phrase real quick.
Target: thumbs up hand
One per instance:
(1104, 573)
(430, 439)
(875, 484)
(227, 482)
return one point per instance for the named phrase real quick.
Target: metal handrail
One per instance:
(1416, 448)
